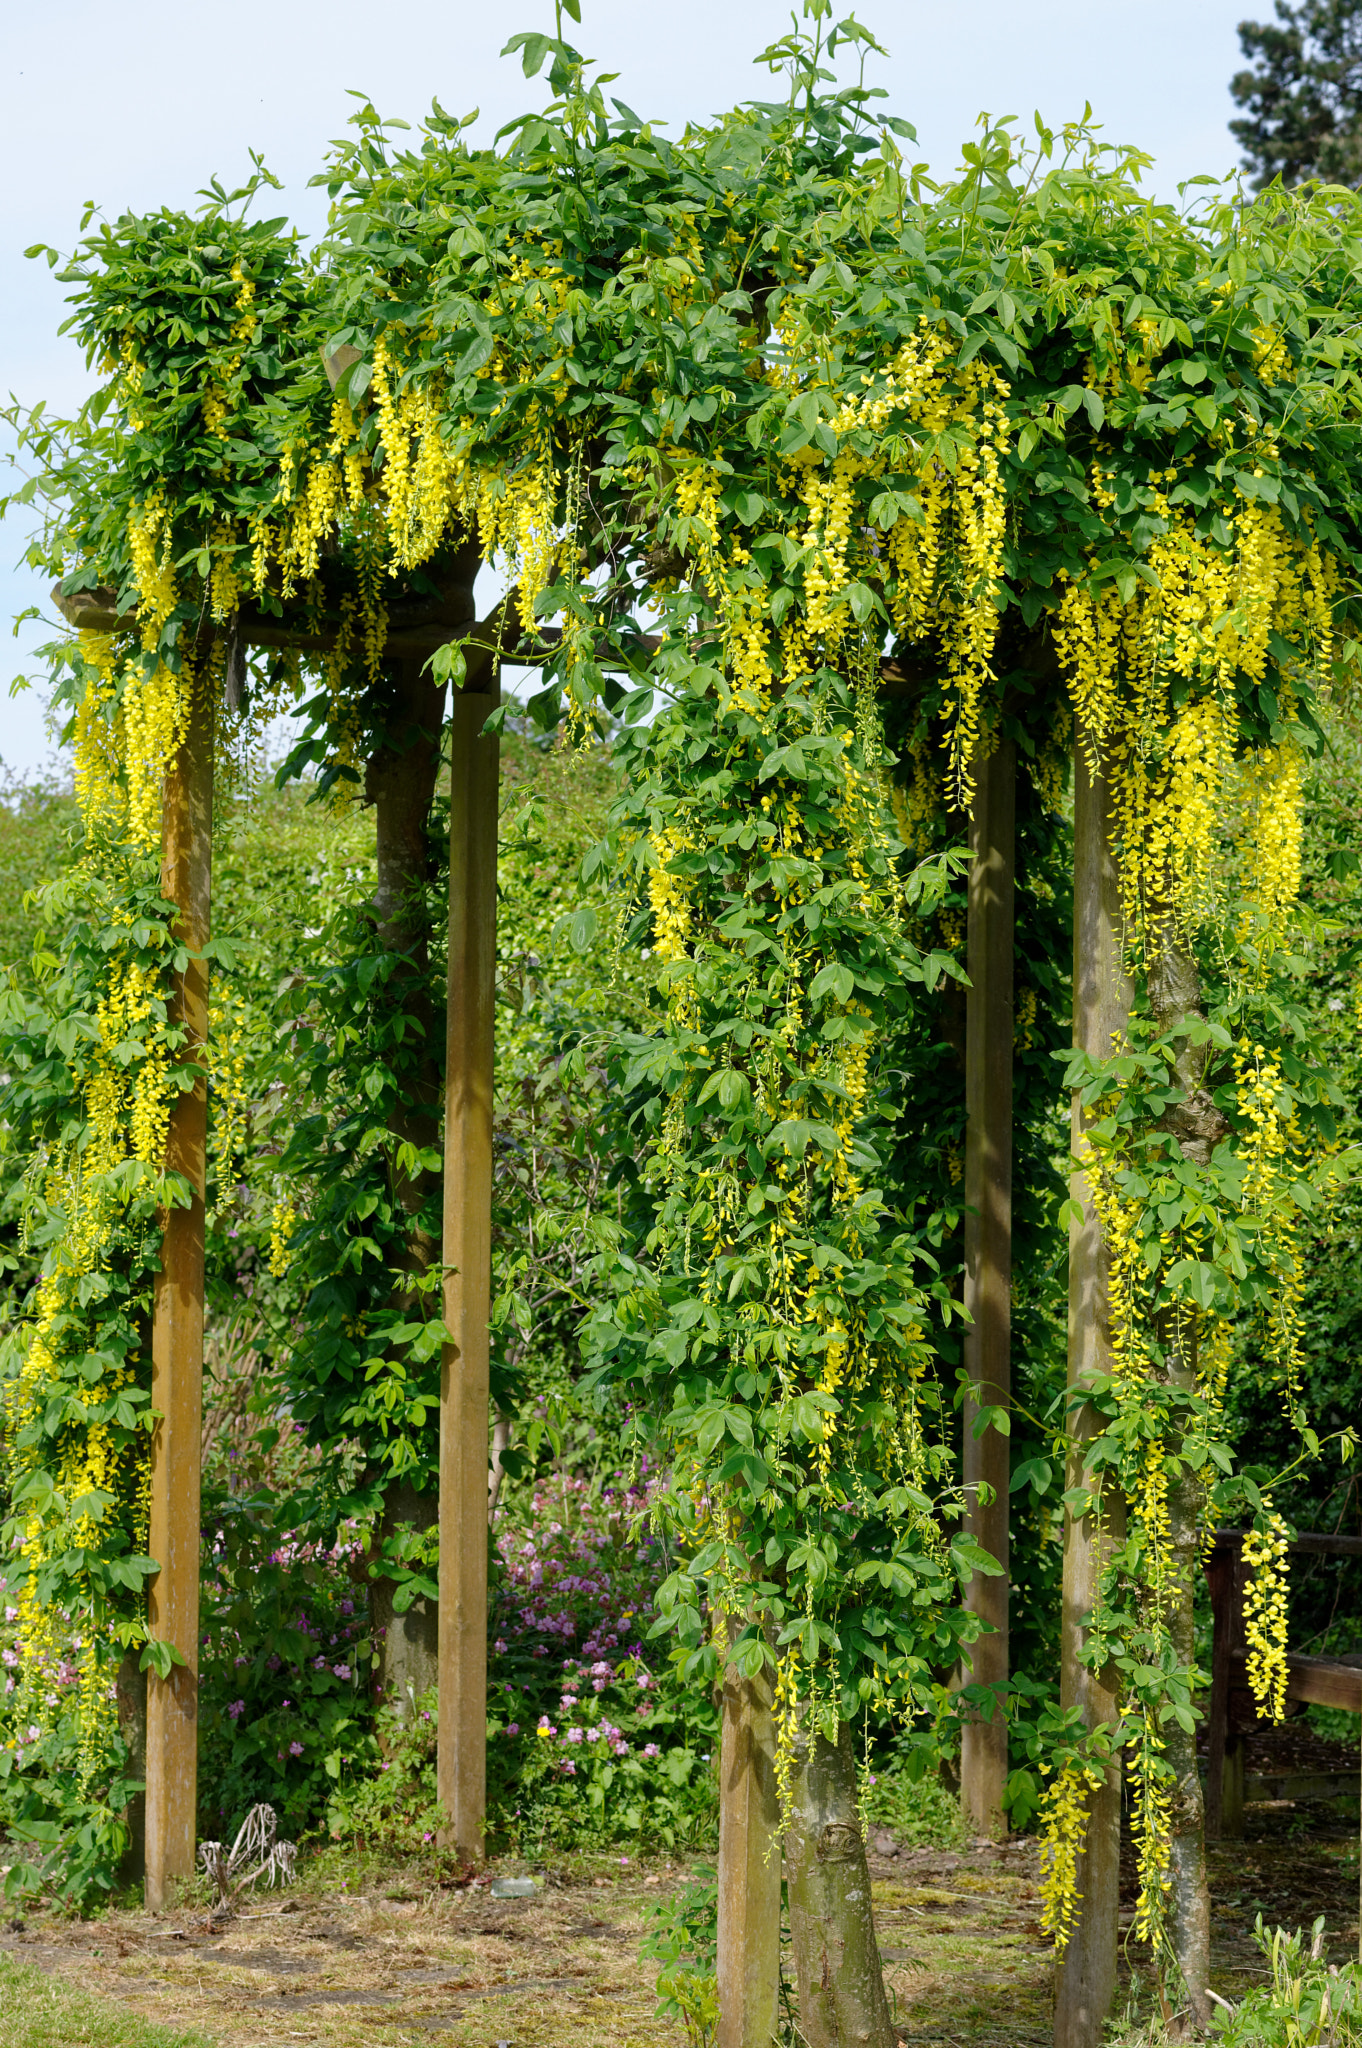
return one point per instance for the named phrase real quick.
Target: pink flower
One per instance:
(593, 1734)
(574, 1735)
(651, 1749)
(514, 1728)
(295, 1749)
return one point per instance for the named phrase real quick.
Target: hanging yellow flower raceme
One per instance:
(1063, 1828)
(1266, 1550)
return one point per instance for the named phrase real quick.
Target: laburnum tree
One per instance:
(1057, 467)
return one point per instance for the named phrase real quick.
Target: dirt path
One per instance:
(563, 1967)
(399, 1967)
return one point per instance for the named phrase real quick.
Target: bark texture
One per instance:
(406, 1643)
(988, 1265)
(837, 1959)
(400, 784)
(1085, 1981)
(1197, 1126)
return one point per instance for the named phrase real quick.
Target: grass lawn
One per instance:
(46, 2012)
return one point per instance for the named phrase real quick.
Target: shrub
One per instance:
(591, 1739)
(1308, 2004)
(284, 1711)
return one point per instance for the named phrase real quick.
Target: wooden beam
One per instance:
(1086, 1978)
(1319, 1681)
(748, 1964)
(177, 1335)
(988, 1260)
(473, 797)
(416, 629)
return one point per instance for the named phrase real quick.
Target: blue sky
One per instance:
(137, 106)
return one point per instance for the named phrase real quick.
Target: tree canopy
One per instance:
(1303, 93)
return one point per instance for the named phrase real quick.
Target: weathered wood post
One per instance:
(748, 1964)
(988, 1258)
(1086, 1978)
(473, 795)
(172, 1723)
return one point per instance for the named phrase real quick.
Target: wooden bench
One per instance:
(1316, 1681)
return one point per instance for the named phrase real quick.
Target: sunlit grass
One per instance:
(45, 2012)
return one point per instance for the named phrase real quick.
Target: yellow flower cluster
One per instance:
(1271, 1170)
(669, 896)
(1153, 681)
(217, 399)
(1153, 1802)
(149, 545)
(1265, 1559)
(283, 1222)
(1063, 1827)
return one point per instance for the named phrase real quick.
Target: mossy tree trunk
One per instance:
(842, 2003)
(400, 784)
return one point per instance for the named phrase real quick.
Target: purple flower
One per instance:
(295, 1749)
(514, 1728)
(499, 1647)
(651, 1749)
(341, 1670)
(236, 1710)
(319, 1663)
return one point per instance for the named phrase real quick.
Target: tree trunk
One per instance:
(837, 1960)
(988, 1265)
(405, 1643)
(1197, 1125)
(130, 1693)
(1086, 1979)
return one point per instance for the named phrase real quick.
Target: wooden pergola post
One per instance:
(177, 1334)
(1086, 1977)
(748, 1963)
(988, 1260)
(473, 797)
